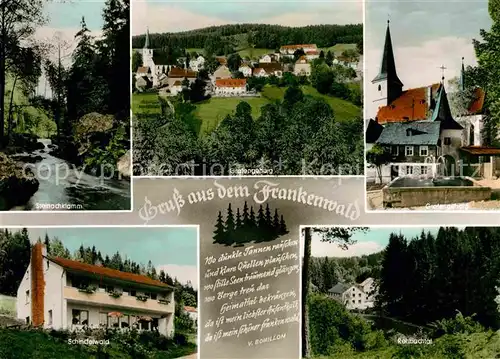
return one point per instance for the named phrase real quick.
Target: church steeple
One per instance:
(146, 44)
(388, 71)
(462, 76)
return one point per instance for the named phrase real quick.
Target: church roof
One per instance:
(442, 112)
(413, 105)
(411, 133)
(388, 65)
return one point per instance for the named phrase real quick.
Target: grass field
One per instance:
(244, 51)
(7, 305)
(339, 48)
(212, 111)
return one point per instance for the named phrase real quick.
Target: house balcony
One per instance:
(125, 301)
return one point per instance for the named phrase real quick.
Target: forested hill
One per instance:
(256, 35)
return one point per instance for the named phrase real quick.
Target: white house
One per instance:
(176, 88)
(302, 67)
(230, 87)
(197, 64)
(354, 296)
(266, 59)
(245, 70)
(62, 294)
(156, 69)
(289, 50)
(312, 54)
(222, 72)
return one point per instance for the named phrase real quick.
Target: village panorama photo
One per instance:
(224, 88)
(431, 106)
(65, 105)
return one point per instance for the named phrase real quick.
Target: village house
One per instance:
(222, 72)
(302, 67)
(197, 64)
(268, 69)
(289, 50)
(193, 314)
(143, 83)
(62, 294)
(222, 60)
(354, 296)
(269, 58)
(312, 54)
(419, 130)
(155, 63)
(179, 74)
(245, 70)
(230, 87)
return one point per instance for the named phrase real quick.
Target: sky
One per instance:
(64, 22)
(425, 35)
(174, 249)
(372, 241)
(173, 16)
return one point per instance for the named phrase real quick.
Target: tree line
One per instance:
(298, 134)
(15, 253)
(222, 40)
(246, 227)
(434, 276)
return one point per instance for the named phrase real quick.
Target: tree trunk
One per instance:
(305, 291)
(10, 116)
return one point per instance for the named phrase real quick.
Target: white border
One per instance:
(247, 176)
(198, 324)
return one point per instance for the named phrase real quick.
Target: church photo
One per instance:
(432, 140)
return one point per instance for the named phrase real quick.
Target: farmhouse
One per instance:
(355, 296)
(302, 67)
(62, 294)
(193, 314)
(312, 55)
(222, 72)
(245, 70)
(197, 64)
(269, 58)
(289, 50)
(230, 87)
(222, 60)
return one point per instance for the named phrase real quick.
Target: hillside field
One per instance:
(212, 111)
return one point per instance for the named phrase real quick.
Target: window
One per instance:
(27, 320)
(409, 170)
(408, 150)
(359, 301)
(80, 317)
(50, 317)
(353, 302)
(379, 87)
(27, 296)
(154, 296)
(423, 170)
(125, 321)
(359, 295)
(133, 293)
(103, 319)
(395, 150)
(447, 141)
(424, 151)
(47, 263)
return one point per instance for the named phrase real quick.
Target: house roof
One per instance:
(190, 309)
(222, 60)
(107, 272)
(442, 111)
(230, 82)
(339, 288)
(302, 60)
(373, 131)
(367, 281)
(410, 133)
(177, 83)
(388, 66)
(271, 66)
(256, 70)
(312, 52)
(143, 70)
(477, 103)
(298, 46)
(413, 105)
(179, 72)
(481, 150)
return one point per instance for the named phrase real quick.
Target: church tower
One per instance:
(388, 86)
(147, 53)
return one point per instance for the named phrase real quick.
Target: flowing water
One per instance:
(64, 187)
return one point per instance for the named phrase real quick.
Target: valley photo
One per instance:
(410, 292)
(236, 89)
(431, 118)
(88, 293)
(65, 105)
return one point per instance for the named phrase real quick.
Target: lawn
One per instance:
(339, 48)
(7, 305)
(212, 111)
(243, 51)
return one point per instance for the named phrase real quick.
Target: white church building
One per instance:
(62, 294)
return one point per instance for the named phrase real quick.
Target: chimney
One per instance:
(37, 284)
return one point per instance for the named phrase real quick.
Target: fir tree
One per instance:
(252, 223)
(283, 229)
(246, 218)
(276, 221)
(46, 242)
(230, 226)
(219, 233)
(261, 218)
(238, 219)
(269, 219)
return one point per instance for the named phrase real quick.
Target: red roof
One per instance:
(312, 52)
(107, 272)
(302, 60)
(222, 60)
(230, 82)
(143, 70)
(178, 72)
(301, 46)
(177, 83)
(412, 105)
(477, 104)
(190, 309)
(482, 150)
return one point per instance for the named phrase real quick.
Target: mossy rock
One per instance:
(17, 186)
(93, 122)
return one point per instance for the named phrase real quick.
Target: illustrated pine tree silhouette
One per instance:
(245, 227)
(219, 233)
